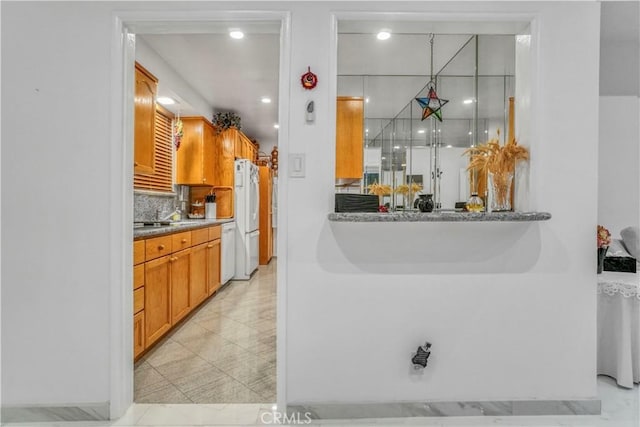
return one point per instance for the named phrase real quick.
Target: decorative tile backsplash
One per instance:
(145, 205)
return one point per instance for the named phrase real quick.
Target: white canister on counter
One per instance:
(210, 210)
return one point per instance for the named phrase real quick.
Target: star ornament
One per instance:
(431, 105)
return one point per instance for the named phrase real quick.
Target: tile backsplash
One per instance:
(145, 205)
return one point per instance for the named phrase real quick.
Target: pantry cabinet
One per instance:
(146, 88)
(196, 156)
(349, 137)
(266, 215)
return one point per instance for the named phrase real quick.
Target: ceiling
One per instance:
(232, 75)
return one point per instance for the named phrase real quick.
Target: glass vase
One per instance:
(500, 191)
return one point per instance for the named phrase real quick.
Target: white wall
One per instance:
(509, 308)
(618, 171)
(191, 102)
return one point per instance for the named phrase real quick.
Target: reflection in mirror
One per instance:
(403, 155)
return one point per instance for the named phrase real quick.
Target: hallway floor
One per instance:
(225, 352)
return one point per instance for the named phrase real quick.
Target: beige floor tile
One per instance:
(163, 392)
(192, 365)
(169, 351)
(249, 370)
(227, 392)
(146, 377)
(211, 378)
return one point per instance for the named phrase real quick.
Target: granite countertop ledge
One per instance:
(192, 224)
(438, 216)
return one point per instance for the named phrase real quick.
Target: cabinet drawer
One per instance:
(138, 276)
(199, 236)
(180, 241)
(138, 300)
(157, 247)
(214, 232)
(138, 252)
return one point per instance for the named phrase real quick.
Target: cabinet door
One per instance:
(213, 266)
(208, 155)
(144, 121)
(138, 334)
(349, 138)
(180, 300)
(199, 288)
(157, 299)
(189, 155)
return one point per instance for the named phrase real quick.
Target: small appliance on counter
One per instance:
(210, 206)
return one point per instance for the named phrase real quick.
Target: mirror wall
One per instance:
(476, 73)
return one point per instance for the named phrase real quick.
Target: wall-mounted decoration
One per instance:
(309, 80)
(421, 357)
(432, 104)
(178, 132)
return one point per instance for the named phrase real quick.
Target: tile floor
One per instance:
(225, 352)
(619, 409)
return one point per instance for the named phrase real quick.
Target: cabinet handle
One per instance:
(184, 240)
(136, 164)
(175, 258)
(160, 247)
(209, 246)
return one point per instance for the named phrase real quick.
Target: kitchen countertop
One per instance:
(438, 216)
(186, 225)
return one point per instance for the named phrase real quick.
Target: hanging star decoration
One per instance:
(431, 105)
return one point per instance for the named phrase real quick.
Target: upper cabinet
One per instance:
(197, 153)
(146, 87)
(349, 137)
(225, 157)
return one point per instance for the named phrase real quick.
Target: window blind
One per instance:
(162, 178)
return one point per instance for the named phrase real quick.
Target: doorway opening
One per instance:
(205, 290)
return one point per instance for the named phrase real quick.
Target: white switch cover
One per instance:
(296, 165)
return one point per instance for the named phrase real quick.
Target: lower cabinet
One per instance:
(213, 266)
(199, 288)
(138, 334)
(157, 298)
(180, 300)
(168, 287)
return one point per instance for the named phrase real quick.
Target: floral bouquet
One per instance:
(604, 237)
(224, 121)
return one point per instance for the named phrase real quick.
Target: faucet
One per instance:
(167, 217)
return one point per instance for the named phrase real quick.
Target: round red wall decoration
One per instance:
(309, 80)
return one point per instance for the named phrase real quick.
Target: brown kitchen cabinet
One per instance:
(213, 266)
(138, 334)
(349, 137)
(146, 88)
(198, 285)
(180, 289)
(157, 298)
(181, 271)
(266, 214)
(195, 158)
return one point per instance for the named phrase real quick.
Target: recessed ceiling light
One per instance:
(467, 101)
(236, 34)
(396, 147)
(486, 131)
(366, 100)
(421, 131)
(383, 35)
(265, 100)
(276, 126)
(366, 130)
(165, 100)
(384, 158)
(449, 146)
(470, 133)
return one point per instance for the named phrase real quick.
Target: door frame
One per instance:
(124, 25)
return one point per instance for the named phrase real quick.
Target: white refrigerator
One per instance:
(247, 208)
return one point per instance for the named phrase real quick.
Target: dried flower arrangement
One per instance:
(604, 237)
(498, 160)
(379, 189)
(405, 189)
(224, 121)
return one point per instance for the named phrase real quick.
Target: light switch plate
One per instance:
(297, 165)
